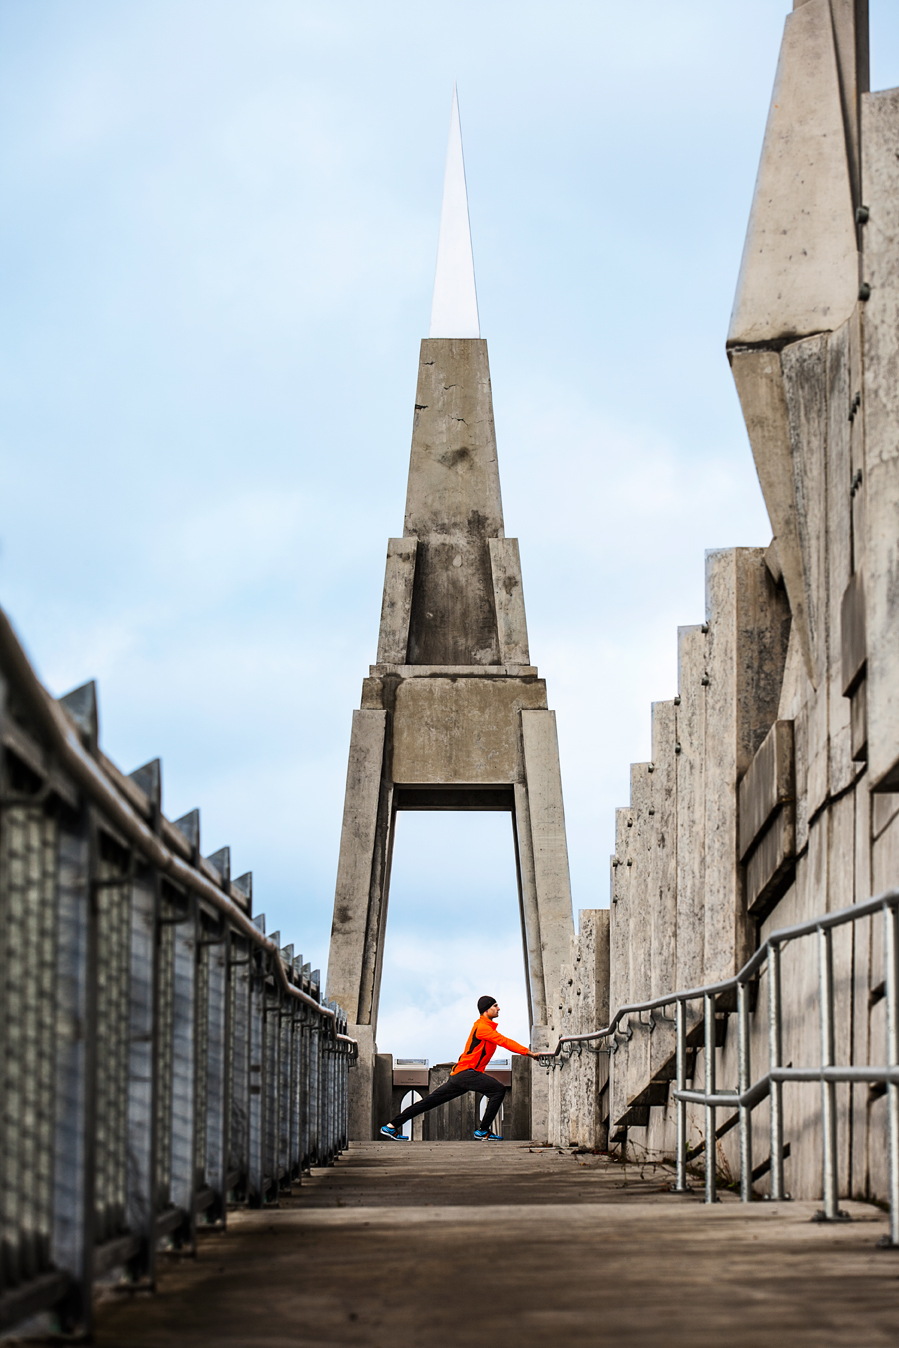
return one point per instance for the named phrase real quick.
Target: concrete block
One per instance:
(769, 782)
(517, 1121)
(880, 189)
(361, 1086)
(771, 863)
(396, 606)
(461, 731)
(382, 1091)
(798, 273)
(745, 653)
(758, 376)
(508, 596)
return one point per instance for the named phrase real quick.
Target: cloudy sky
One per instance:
(217, 249)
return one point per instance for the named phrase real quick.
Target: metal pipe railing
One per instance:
(160, 1053)
(828, 1073)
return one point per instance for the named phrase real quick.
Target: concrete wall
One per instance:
(773, 792)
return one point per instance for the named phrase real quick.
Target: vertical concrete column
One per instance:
(352, 899)
(530, 919)
(663, 872)
(586, 996)
(638, 862)
(840, 432)
(619, 983)
(552, 884)
(396, 606)
(601, 917)
(358, 904)
(508, 596)
(880, 191)
(550, 849)
(689, 750)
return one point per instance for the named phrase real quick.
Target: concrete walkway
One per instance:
(467, 1244)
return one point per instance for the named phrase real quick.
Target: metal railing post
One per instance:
(711, 1157)
(828, 1088)
(775, 1052)
(744, 1069)
(680, 1185)
(891, 955)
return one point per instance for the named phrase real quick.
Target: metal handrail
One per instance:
(91, 778)
(828, 1073)
(164, 1053)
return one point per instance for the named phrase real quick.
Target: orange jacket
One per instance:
(481, 1046)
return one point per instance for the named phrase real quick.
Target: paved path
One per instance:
(467, 1245)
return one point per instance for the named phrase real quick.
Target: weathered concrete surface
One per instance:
(880, 124)
(798, 273)
(508, 595)
(452, 716)
(550, 849)
(396, 606)
(390, 1247)
(354, 872)
(453, 506)
(461, 731)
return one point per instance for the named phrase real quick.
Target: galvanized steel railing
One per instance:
(749, 1094)
(160, 1055)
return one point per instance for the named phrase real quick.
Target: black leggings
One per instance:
(458, 1085)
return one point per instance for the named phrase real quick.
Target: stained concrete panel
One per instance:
(453, 468)
(453, 506)
(840, 392)
(880, 175)
(690, 750)
(396, 605)
(459, 731)
(759, 379)
(508, 595)
(799, 268)
(662, 808)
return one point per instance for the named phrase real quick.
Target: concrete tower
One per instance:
(453, 715)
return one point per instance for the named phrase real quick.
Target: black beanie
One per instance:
(484, 1003)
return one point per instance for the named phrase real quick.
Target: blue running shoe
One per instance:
(484, 1134)
(389, 1131)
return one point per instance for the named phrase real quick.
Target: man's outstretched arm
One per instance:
(495, 1037)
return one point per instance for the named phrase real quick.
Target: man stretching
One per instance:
(468, 1075)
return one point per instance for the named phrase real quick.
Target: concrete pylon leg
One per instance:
(360, 905)
(546, 886)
